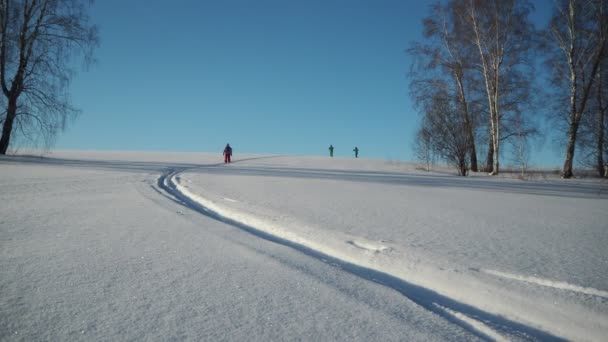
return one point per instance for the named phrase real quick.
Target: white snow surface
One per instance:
(141, 245)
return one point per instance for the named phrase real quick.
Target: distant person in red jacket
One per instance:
(227, 153)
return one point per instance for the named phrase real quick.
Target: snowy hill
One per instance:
(132, 245)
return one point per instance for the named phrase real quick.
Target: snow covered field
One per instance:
(121, 246)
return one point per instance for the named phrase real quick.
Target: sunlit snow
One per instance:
(134, 245)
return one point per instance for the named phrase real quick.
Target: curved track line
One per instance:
(560, 285)
(437, 303)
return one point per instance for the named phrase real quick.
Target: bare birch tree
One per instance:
(601, 91)
(442, 60)
(442, 123)
(446, 50)
(578, 33)
(38, 42)
(590, 141)
(446, 125)
(503, 36)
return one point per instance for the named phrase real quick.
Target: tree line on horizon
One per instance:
(474, 81)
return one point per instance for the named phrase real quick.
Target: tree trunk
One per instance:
(462, 167)
(495, 142)
(496, 116)
(600, 133)
(495, 166)
(467, 123)
(7, 128)
(570, 149)
(472, 150)
(490, 156)
(600, 136)
(493, 161)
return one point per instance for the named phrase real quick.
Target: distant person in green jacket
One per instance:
(356, 150)
(331, 151)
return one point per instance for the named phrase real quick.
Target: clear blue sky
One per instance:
(269, 76)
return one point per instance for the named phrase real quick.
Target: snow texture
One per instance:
(130, 245)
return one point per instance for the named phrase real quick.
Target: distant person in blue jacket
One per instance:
(356, 150)
(227, 153)
(331, 151)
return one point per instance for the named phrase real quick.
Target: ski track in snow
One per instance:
(548, 283)
(480, 326)
(475, 320)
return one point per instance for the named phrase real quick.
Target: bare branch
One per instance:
(37, 39)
